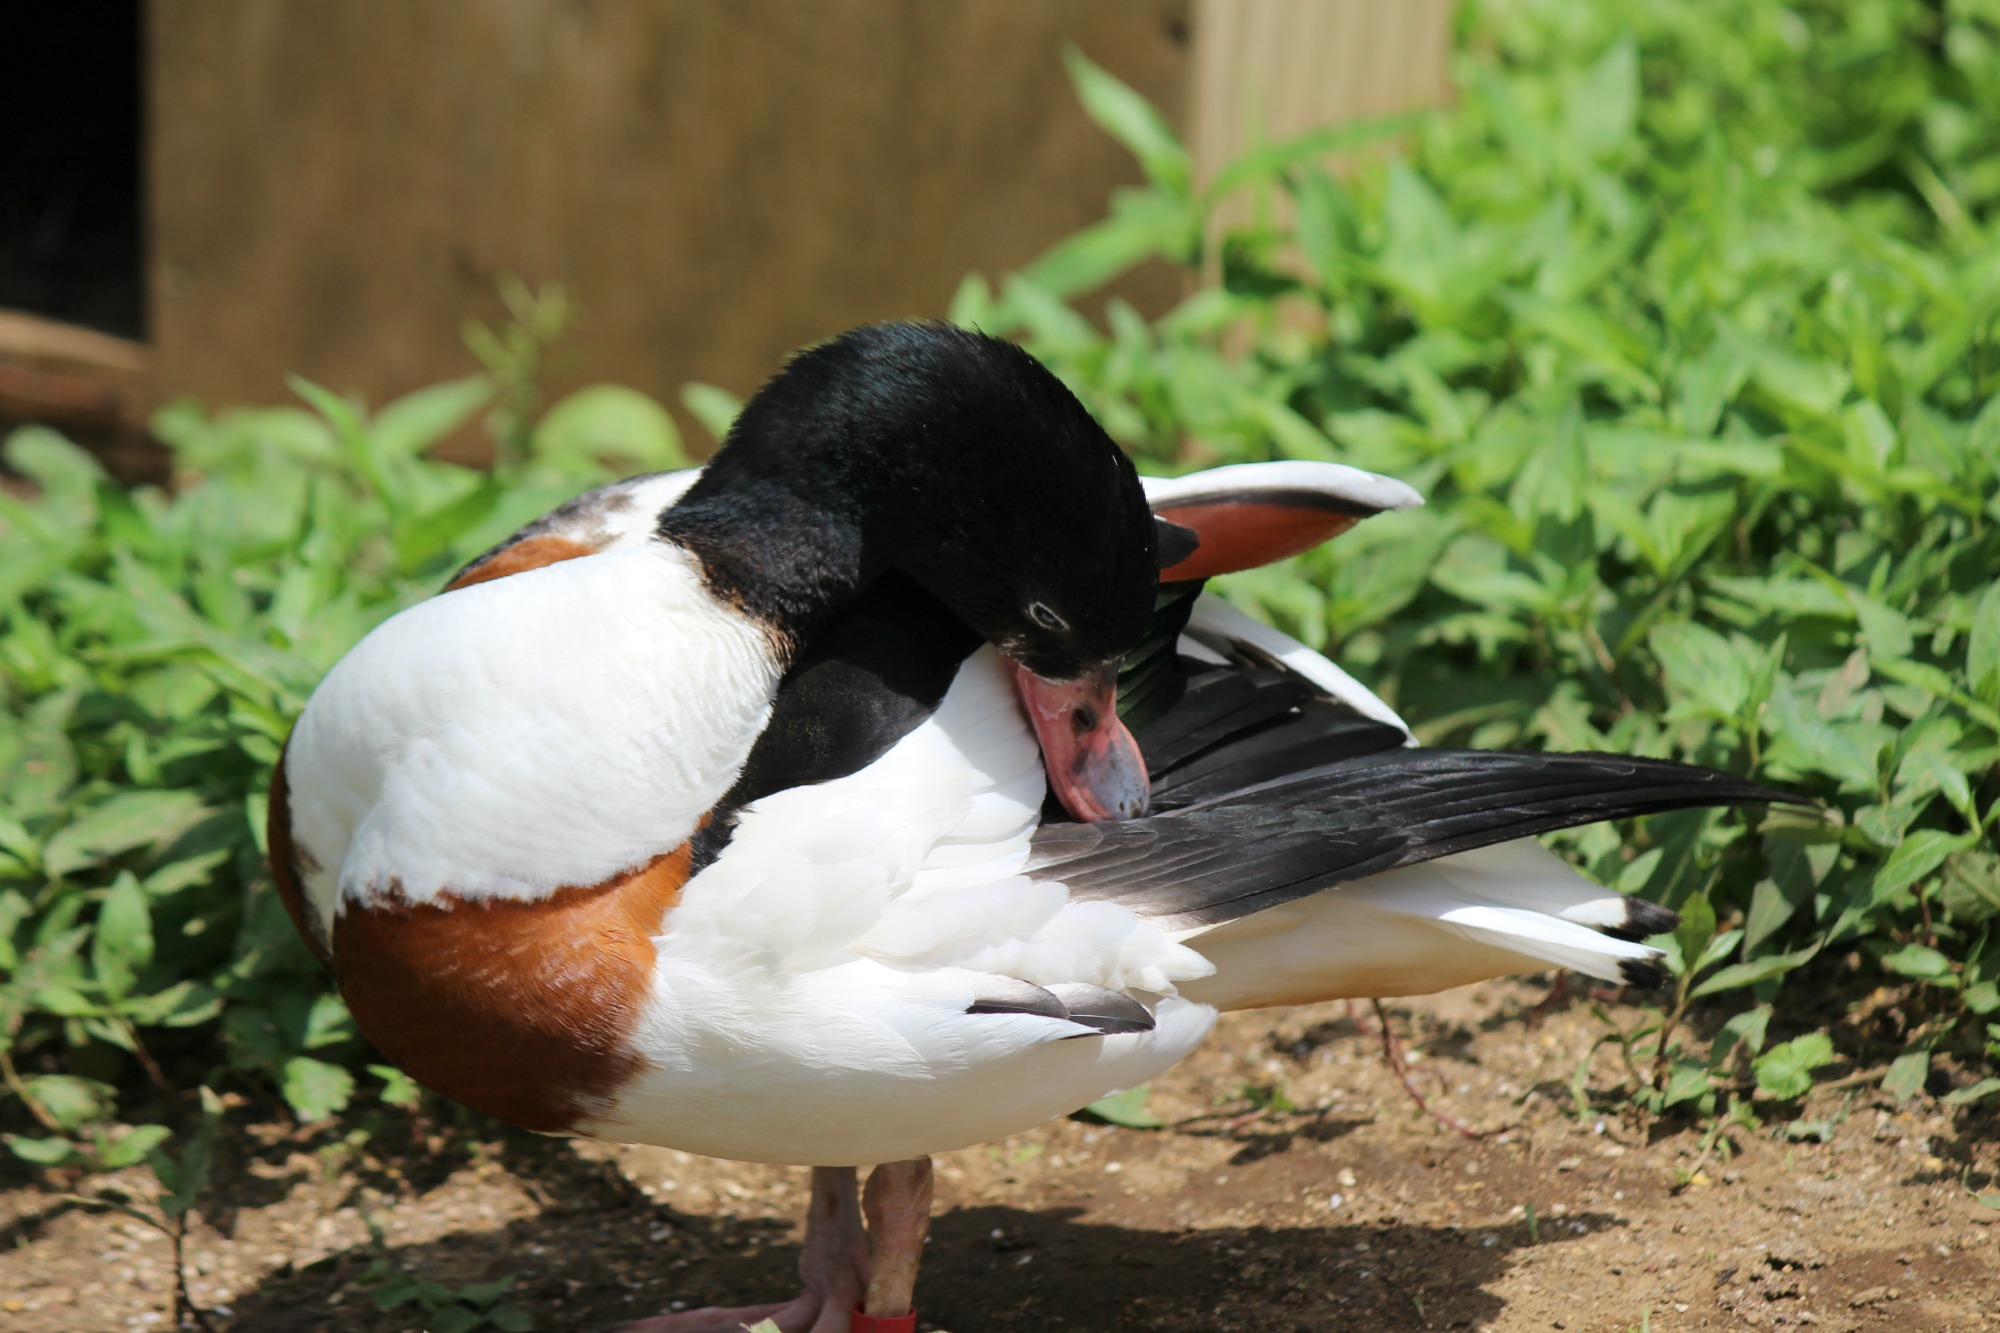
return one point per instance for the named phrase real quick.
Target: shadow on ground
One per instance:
(602, 1252)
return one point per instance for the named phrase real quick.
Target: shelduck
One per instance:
(783, 810)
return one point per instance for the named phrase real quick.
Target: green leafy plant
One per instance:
(182, 1180)
(465, 1308)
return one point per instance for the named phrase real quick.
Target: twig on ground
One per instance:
(1392, 1051)
(1540, 1009)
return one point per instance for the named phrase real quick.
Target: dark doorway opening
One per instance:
(71, 238)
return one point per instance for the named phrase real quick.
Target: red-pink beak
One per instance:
(1094, 765)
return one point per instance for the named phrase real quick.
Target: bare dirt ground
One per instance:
(1350, 1212)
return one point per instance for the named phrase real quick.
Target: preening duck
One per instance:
(783, 811)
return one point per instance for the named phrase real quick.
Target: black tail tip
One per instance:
(1642, 975)
(1642, 919)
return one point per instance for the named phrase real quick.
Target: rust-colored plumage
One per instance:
(1246, 535)
(523, 1010)
(528, 553)
(288, 862)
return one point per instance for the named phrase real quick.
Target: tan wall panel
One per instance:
(1269, 69)
(336, 185)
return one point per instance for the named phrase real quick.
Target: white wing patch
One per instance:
(1216, 621)
(552, 728)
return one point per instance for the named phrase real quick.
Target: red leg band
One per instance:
(879, 1323)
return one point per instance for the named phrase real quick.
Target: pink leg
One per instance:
(834, 1266)
(898, 1204)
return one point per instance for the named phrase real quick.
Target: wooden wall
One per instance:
(337, 185)
(1269, 69)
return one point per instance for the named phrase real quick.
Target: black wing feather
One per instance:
(1279, 840)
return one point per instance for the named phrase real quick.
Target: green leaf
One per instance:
(130, 1148)
(1785, 1071)
(610, 421)
(52, 462)
(1746, 1029)
(1603, 109)
(1915, 857)
(416, 421)
(453, 1319)
(484, 1293)
(122, 944)
(1126, 1109)
(398, 1088)
(1269, 161)
(1797, 870)
(1922, 962)
(1130, 119)
(186, 1178)
(1718, 949)
(316, 1091)
(1687, 1081)
(1691, 937)
(70, 1101)
(1804, 741)
(42, 1152)
(126, 820)
(511, 1318)
(1738, 975)
(328, 1023)
(1982, 652)
(1907, 1073)
(1976, 1092)
(398, 1289)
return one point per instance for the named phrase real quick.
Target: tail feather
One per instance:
(1514, 907)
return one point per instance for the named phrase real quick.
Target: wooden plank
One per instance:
(89, 385)
(56, 345)
(1270, 69)
(337, 185)
(63, 374)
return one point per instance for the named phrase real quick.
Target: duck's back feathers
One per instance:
(608, 518)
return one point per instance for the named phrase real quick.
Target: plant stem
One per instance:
(20, 1089)
(184, 1306)
(1667, 1028)
(154, 1074)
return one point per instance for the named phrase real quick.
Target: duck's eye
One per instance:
(1045, 617)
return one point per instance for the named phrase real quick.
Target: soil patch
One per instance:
(1346, 1211)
